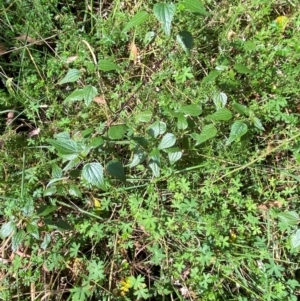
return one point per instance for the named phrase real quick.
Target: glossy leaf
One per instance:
(182, 123)
(33, 230)
(221, 115)
(174, 154)
(238, 129)
(195, 6)
(72, 76)
(89, 92)
(46, 241)
(137, 20)
(143, 116)
(74, 191)
(157, 128)
(168, 140)
(185, 40)
(209, 131)
(117, 131)
(257, 123)
(45, 210)
(76, 95)
(241, 109)
(138, 157)
(220, 100)
(154, 162)
(295, 239)
(93, 173)
(116, 169)
(164, 12)
(17, 240)
(56, 171)
(65, 147)
(242, 69)
(290, 218)
(107, 65)
(192, 110)
(7, 229)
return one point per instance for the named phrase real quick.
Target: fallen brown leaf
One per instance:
(71, 59)
(100, 100)
(133, 52)
(2, 49)
(28, 39)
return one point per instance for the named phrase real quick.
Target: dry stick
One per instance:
(263, 155)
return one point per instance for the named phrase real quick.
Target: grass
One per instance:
(150, 151)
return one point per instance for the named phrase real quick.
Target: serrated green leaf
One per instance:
(238, 129)
(209, 131)
(117, 131)
(137, 20)
(174, 154)
(164, 12)
(195, 6)
(46, 241)
(295, 239)
(33, 230)
(182, 123)
(89, 92)
(192, 110)
(167, 141)
(290, 218)
(45, 210)
(143, 116)
(72, 76)
(74, 191)
(56, 171)
(65, 147)
(157, 128)
(220, 100)
(7, 229)
(242, 69)
(154, 162)
(50, 191)
(76, 95)
(257, 123)
(93, 174)
(116, 169)
(221, 115)
(138, 157)
(185, 40)
(107, 65)
(149, 37)
(212, 75)
(74, 162)
(17, 240)
(241, 109)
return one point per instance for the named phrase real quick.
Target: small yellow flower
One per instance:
(125, 286)
(282, 22)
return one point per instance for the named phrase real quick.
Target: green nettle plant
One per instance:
(166, 164)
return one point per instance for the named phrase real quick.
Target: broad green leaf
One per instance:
(209, 131)
(33, 230)
(242, 69)
(77, 94)
(46, 241)
(72, 76)
(107, 65)
(257, 123)
(295, 239)
(195, 6)
(192, 110)
(167, 141)
(117, 131)
(28, 208)
(238, 129)
(241, 109)
(74, 191)
(290, 218)
(17, 240)
(182, 123)
(45, 210)
(63, 225)
(7, 229)
(174, 154)
(143, 116)
(50, 191)
(212, 75)
(89, 92)
(149, 37)
(185, 40)
(116, 169)
(96, 142)
(137, 20)
(138, 157)
(164, 12)
(154, 162)
(221, 115)
(74, 162)
(220, 100)
(157, 128)
(56, 171)
(65, 147)
(93, 173)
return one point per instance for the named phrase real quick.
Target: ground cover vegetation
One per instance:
(150, 150)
